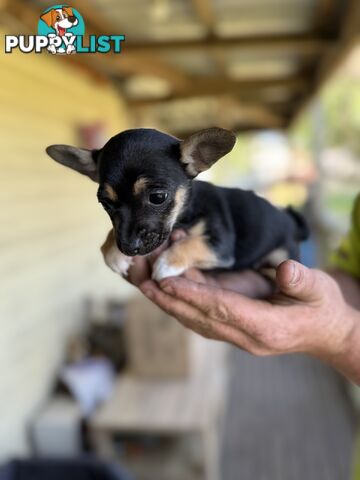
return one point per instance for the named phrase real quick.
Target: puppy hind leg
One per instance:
(277, 256)
(270, 262)
(294, 250)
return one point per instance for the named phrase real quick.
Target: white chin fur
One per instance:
(162, 269)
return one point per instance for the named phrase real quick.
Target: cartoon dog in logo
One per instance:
(60, 19)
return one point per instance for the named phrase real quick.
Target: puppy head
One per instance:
(144, 179)
(68, 19)
(60, 17)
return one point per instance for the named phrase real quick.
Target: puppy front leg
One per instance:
(51, 47)
(114, 259)
(70, 47)
(192, 251)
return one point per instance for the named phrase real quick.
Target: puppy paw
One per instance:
(114, 259)
(163, 268)
(70, 49)
(52, 49)
(118, 262)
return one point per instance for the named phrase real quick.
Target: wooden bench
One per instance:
(192, 406)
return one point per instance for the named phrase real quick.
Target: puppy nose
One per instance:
(72, 19)
(136, 245)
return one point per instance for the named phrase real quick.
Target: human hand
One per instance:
(248, 282)
(308, 315)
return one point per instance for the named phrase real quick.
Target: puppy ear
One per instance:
(47, 17)
(204, 148)
(69, 11)
(79, 159)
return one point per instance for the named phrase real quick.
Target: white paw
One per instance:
(52, 49)
(117, 261)
(70, 49)
(162, 268)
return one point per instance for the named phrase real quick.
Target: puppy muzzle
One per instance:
(144, 243)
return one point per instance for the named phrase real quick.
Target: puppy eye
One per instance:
(157, 198)
(58, 17)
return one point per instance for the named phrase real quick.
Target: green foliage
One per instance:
(235, 164)
(341, 103)
(301, 135)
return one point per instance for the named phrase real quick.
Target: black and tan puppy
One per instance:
(146, 186)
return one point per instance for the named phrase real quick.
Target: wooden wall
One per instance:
(51, 228)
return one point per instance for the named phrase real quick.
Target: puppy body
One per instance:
(242, 228)
(146, 184)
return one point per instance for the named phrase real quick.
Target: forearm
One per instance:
(350, 287)
(347, 361)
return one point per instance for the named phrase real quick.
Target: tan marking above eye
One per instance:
(140, 185)
(110, 192)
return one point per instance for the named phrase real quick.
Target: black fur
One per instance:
(242, 227)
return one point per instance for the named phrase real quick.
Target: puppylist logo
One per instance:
(61, 31)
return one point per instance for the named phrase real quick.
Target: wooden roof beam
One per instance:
(229, 112)
(302, 45)
(247, 127)
(223, 86)
(125, 65)
(205, 13)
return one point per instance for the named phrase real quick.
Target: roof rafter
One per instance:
(303, 45)
(205, 12)
(225, 86)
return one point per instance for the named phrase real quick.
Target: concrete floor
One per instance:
(288, 418)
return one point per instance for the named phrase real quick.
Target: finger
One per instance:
(197, 276)
(170, 305)
(300, 282)
(139, 271)
(248, 283)
(185, 313)
(177, 235)
(213, 301)
(195, 320)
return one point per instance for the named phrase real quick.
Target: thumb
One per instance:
(298, 281)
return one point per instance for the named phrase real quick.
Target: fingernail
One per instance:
(295, 274)
(168, 288)
(148, 293)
